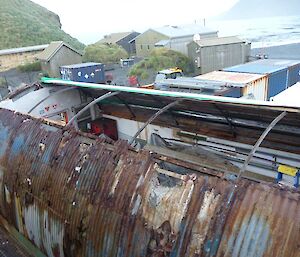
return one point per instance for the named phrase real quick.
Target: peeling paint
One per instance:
(77, 195)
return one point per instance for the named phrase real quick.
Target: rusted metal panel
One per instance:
(231, 77)
(74, 195)
(255, 84)
(263, 222)
(258, 88)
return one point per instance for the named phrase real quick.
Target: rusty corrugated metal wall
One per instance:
(75, 196)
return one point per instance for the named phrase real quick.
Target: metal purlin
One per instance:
(97, 100)
(152, 118)
(259, 141)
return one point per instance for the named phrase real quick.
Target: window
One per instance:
(148, 47)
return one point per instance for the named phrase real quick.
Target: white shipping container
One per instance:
(255, 85)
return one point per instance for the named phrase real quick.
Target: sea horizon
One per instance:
(261, 32)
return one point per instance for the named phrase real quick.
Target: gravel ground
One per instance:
(121, 75)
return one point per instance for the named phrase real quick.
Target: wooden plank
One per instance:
(196, 164)
(247, 135)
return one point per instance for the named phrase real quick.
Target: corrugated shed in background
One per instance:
(72, 195)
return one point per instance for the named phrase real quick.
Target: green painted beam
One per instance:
(22, 240)
(183, 95)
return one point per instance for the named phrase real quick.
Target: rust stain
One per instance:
(72, 194)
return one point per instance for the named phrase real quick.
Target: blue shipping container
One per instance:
(294, 74)
(84, 72)
(293, 67)
(235, 92)
(281, 73)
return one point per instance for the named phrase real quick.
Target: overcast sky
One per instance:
(89, 20)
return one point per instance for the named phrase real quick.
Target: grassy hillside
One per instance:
(24, 23)
(159, 59)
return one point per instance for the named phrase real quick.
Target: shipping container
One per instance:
(294, 74)
(293, 68)
(235, 92)
(281, 73)
(250, 84)
(84, 72)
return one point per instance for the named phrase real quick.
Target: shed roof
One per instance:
(278, 62)
(52, 49)
(22, 49)
(265, 66)
(169, 94)
(219, 41)
(113, 38)
(260, 112)
(254, 68)
(231, 77)
(184, 30)
(81, 65)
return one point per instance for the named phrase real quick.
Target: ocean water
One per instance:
(262, 32)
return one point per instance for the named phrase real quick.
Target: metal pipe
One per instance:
(260, 140)
(231, 126)
(127, 106)
(93, 112)
(51, 95)
(152, 118)
(97, 100)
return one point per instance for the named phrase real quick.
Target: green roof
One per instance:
(182, 95)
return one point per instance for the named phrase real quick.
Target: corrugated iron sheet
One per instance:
(253, 84)
(257, 88)
(73, 195)
(231, 77)
(257, 67)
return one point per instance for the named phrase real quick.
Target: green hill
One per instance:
(160, 59)
(24, 23)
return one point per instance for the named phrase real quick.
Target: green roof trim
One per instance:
(182, 95)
